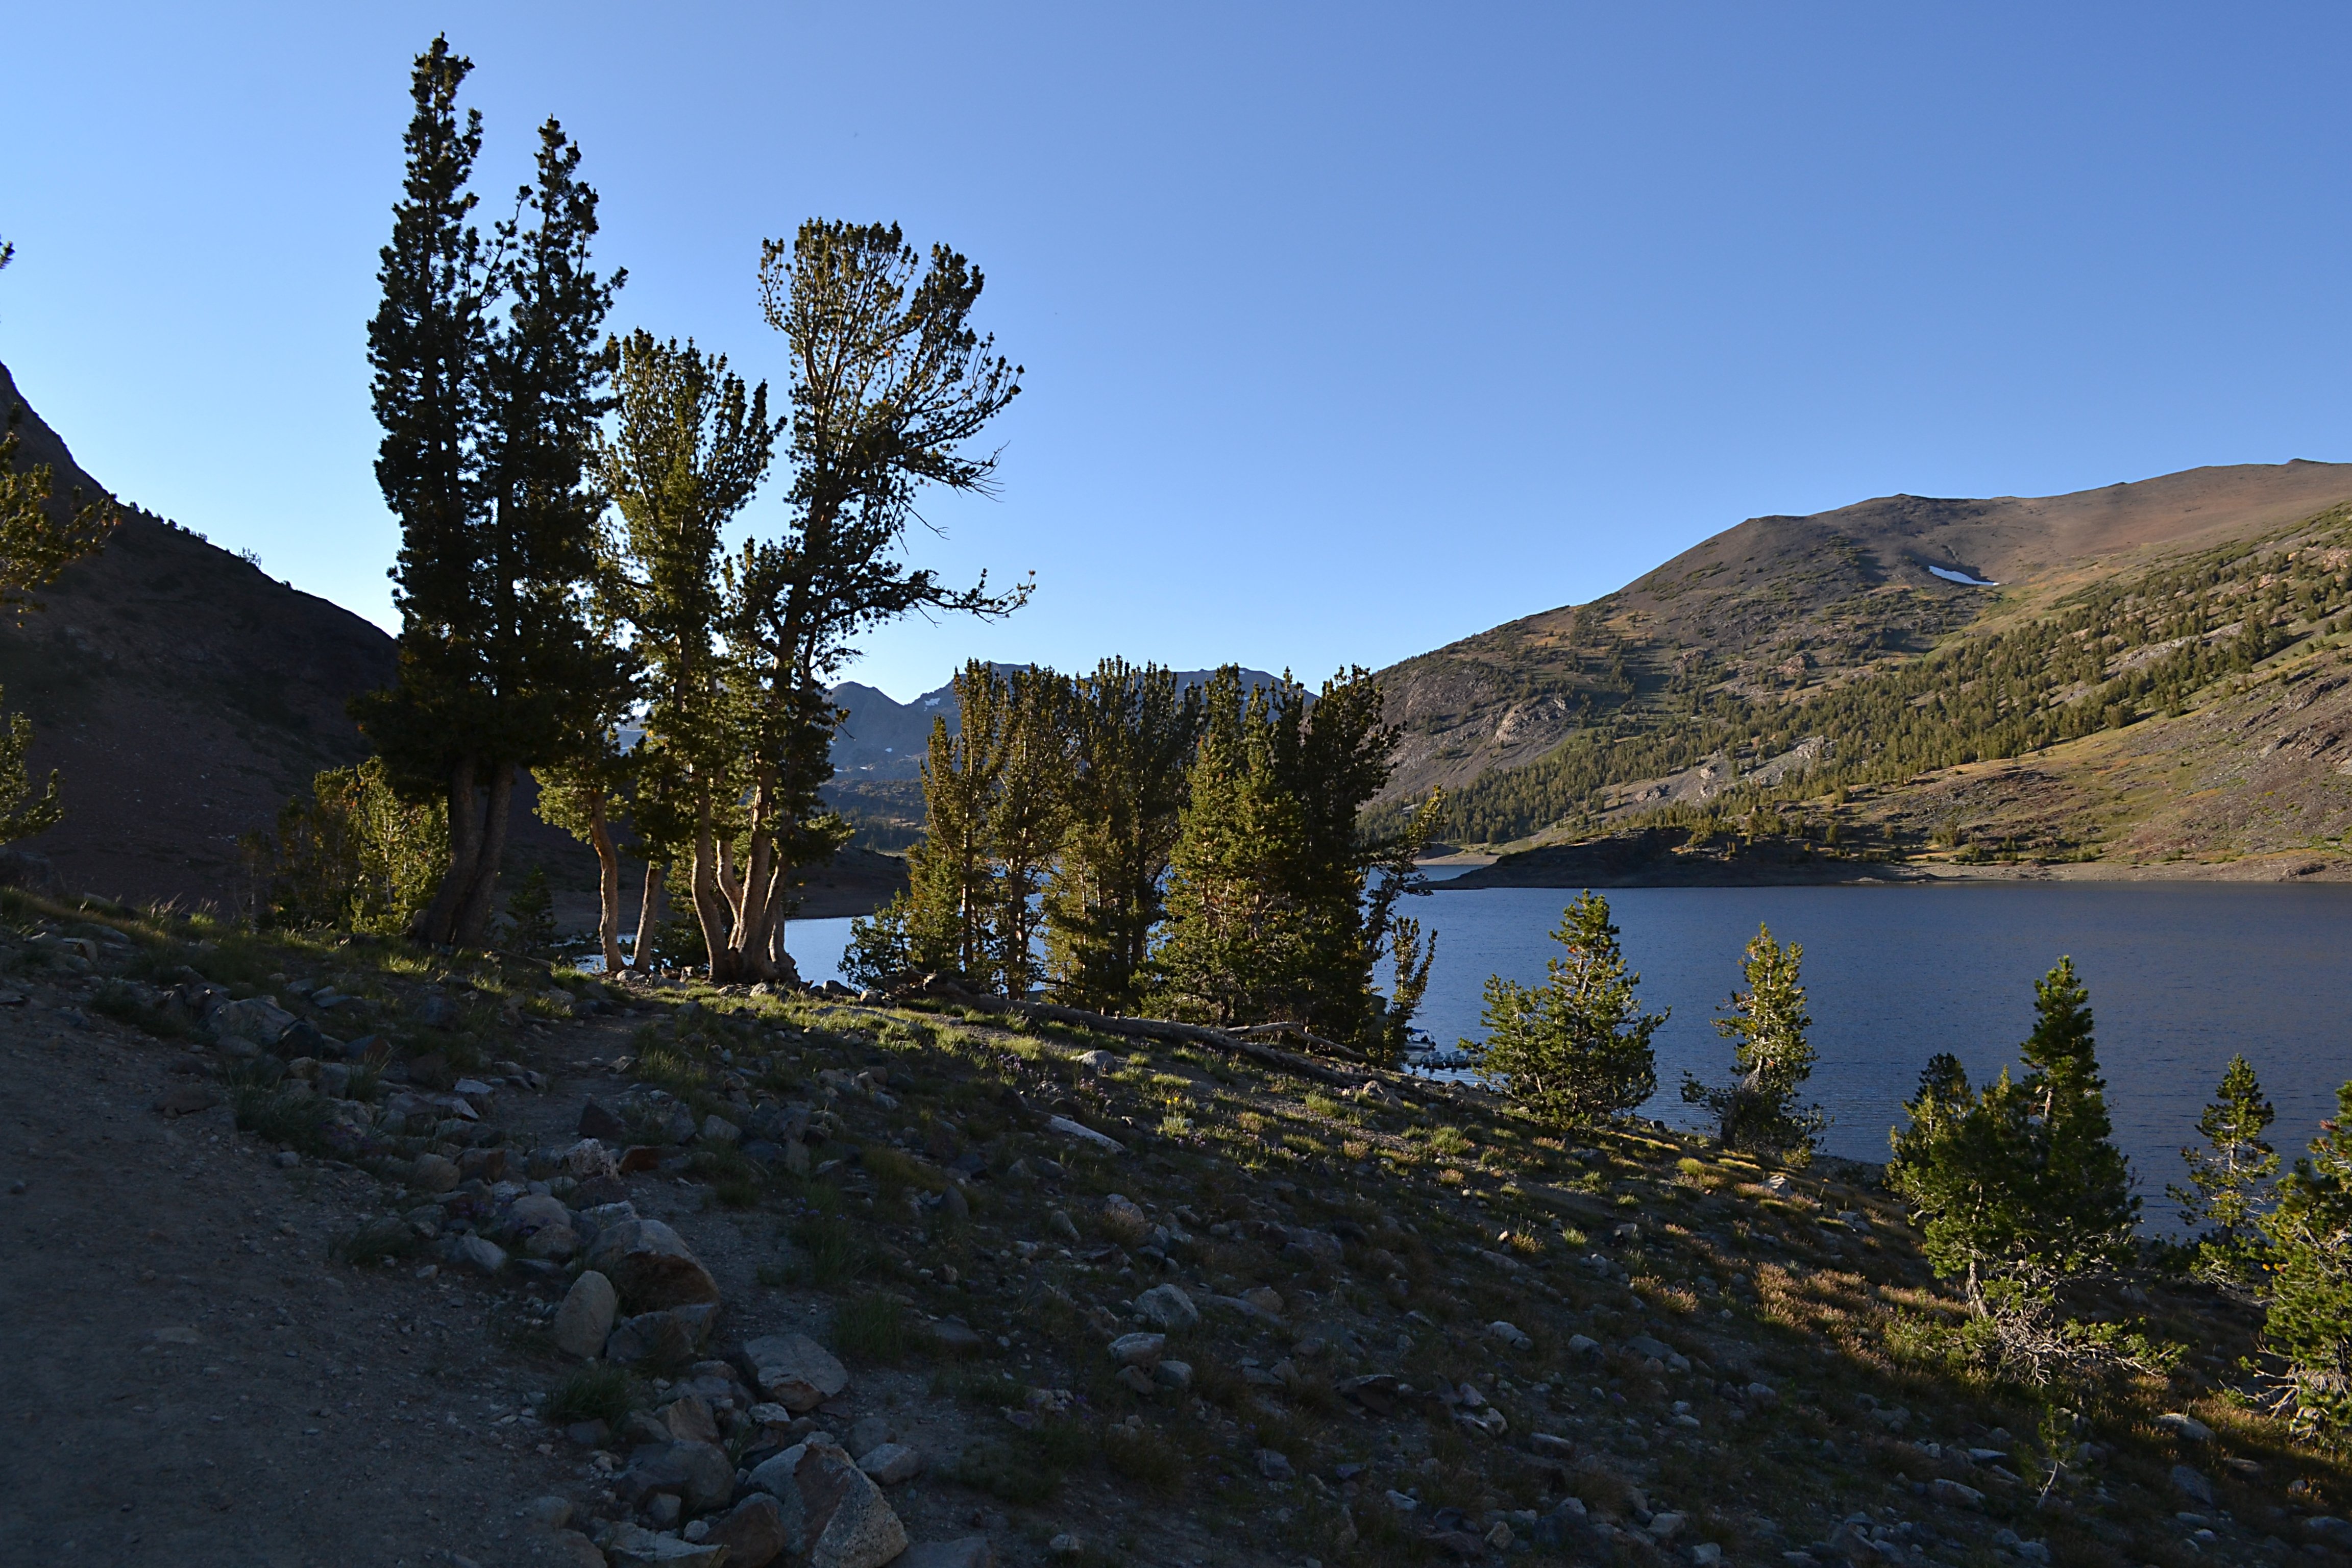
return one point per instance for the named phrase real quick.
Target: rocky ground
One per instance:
(356, 1255)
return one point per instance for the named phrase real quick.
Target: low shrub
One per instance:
(598, 1392)
(871, 1328)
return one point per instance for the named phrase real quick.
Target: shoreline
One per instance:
(1622, 863)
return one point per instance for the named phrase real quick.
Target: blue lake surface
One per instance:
(2181, 976)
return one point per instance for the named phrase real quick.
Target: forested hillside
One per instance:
(1809, 673)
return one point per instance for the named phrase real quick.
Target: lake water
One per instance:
(2181, 975)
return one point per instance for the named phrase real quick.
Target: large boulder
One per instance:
(651, 1266)
(700, 1474)
(585, 1319)
(830, 1508)
(794, 1371)
(667, 1338)
(1167, 1309)
(753, 1533)
(257, 1019)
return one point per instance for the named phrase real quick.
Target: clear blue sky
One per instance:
(1350, 329)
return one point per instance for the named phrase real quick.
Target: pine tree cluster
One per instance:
(1191, 852)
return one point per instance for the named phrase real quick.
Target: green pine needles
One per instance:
(1758, 1111)
(2309, 1282)
(1575, 1049)
(2225, 1177)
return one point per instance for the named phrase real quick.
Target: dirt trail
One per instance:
(188, 1380)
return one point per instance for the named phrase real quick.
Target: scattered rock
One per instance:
(599, 1123)
(476, 1255)
(2185, 1426)
(718, 1130)
(1273, 1466)
(634, 1544)
(1509, 1334)
(257, 1019)
(187, 1099)
(1069, 1129)
(699, 1474)
(1952, 1494)
(585, 1320)
(551, 1512)
(1173, 1374)
(753, 1533)
(794, 1371)
(673, 1334)
(2191, 1483)
(1061, 1225)
(891, 1463)
(971, 1552)
(688, 1419)
(432, 1173)
(1066, 1545)
(1266, 1299)
(1167, 1309)
(573, 1550)
(954, 1336)
(1137, 1350)
(651, 1266)
(829, 1508)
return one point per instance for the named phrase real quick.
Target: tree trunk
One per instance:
(711, 907)
(648, 916)
(481, 898)
(608, 886)
(435, 924)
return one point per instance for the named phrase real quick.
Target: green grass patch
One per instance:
(829, 1251)
(871, 1328)
(598, 1392)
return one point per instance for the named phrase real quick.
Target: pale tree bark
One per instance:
(648, 916)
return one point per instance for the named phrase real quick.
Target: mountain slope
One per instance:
(1706, 678)
(182, 694)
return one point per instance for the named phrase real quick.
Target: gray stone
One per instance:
(536, 1210)
(1136, 1379)
(794, 1371)
(1952, 1494)
(1510, 1334)
(476, 1255)
(1273, 1466)
(1137, 1350)
(700, 1474)
(954, 1336)
(549, 1513)
(668, 1337)
(1061, 1225)
(829, 1508)
(437, 1012)
(1167, 1309)
(891, 1463)
(1174, 1375)
(753, 1533)
(1084, 1134)
(573, 1550)
(971, 1552)
(689, 1420)
(557, 1242)
(953, 1204)
(257, 1019)
(432, 1173)
(585, 1320)
(2191, 1483)
(2185, 1426)
(632, 1546)
(651, 1266)
(868, 1434)
(718, 1129)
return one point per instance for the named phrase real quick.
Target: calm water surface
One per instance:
(2180, 975)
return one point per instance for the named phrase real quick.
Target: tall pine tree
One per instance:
(2226, 1176)
(1133, 732)
(488, 427)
